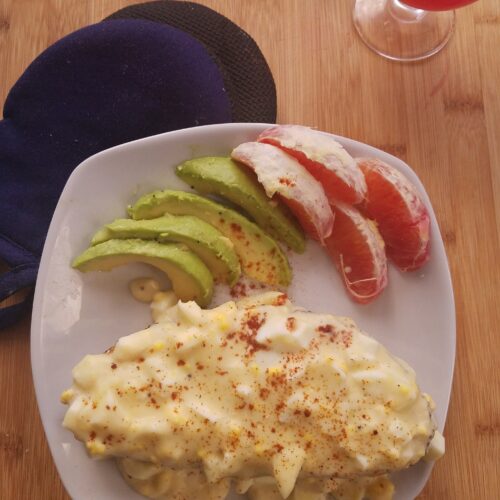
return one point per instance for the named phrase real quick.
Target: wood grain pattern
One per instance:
(442, 116)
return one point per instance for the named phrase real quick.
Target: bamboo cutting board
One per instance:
(442, 116)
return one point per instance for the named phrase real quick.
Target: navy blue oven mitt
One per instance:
(103, 85)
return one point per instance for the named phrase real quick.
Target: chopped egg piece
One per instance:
(436, 448)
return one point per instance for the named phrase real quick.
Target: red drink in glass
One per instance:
(437, 4)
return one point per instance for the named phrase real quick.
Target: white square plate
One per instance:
(76, 314)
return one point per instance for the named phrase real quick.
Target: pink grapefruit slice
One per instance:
(323, 157)
(281, 174)
(393, 202)
(357, 249)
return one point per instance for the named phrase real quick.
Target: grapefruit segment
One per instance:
(357, 249)
(401, 216)
(284, 176)
(323, 157)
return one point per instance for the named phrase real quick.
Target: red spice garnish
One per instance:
(251, 326)
(277, 380)
(280, 299)
(278, 447)
(178, 345)
(254, 322)
(291, 324)
(239, 290)
(325, 328)
(92, 435)
(346, 338)
(181, 362)
(286, 182)
(264, 393)
(307, 413)
(114, 366)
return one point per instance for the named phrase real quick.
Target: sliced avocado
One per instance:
(190, 277)
(261, 257)
(224, 177)
(211, 246)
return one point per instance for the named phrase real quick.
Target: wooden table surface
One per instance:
(442, 116)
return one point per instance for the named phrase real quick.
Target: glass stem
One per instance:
(404, 13)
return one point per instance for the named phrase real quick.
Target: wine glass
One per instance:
(406, 31)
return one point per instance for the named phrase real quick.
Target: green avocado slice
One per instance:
(261, 257)
(224, 177)
(190, 277)
(213, 248)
